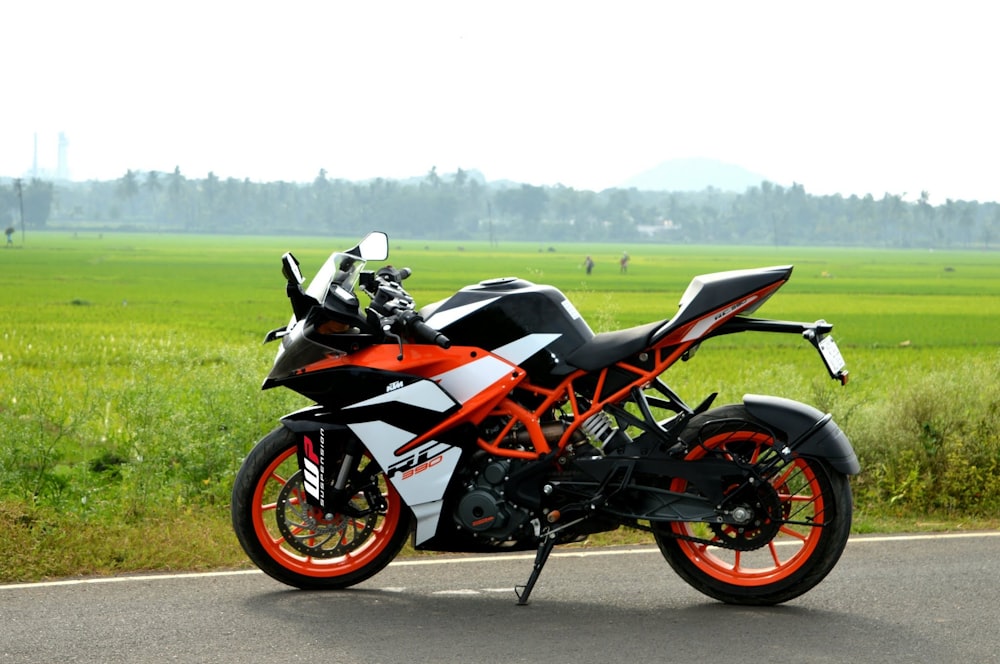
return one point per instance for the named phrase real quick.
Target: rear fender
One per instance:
(808, 431)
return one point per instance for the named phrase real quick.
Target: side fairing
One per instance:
(420, 475)
(402, 416)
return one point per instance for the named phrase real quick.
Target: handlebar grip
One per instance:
(424, 332)
(396, 275)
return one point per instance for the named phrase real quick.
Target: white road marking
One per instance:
(124, 579)
(449, 560)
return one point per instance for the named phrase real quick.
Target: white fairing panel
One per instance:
(441, 320)
(702, 327)
(470, 379)
(518, 351)
(421, 475)
(422, 394)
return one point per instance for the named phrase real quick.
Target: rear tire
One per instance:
(770, 560)
(294, 542)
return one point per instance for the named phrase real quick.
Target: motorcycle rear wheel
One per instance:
(295, 543)
(771, 560)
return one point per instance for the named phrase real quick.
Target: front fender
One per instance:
(809, 432)
(311, 418)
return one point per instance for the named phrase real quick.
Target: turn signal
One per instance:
(332, 327)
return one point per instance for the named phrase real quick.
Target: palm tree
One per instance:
(177, 195)
(926, 212)
(153, 186)
(128, 188)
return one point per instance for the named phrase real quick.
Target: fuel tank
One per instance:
(497, 312)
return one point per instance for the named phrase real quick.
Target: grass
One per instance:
(129, 368)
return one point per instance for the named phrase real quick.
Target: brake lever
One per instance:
(387, 330)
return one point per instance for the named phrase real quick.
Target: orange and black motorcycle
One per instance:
(496, 420)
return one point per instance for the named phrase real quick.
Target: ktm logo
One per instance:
(395, 385)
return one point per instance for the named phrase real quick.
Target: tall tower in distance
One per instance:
(62, 165)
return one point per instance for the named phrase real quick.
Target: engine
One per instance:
(484, 510)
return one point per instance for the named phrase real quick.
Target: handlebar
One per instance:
(422, 331)
(389, 273)
(391, 302)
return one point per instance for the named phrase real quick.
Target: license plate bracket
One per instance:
(832, 358)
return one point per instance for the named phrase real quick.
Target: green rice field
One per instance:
(130, 368)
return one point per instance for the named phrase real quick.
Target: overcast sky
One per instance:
(847, 97)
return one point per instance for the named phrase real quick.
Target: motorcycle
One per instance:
(496, 420)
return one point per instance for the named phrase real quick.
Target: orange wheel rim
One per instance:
(801, 497)
(265, 514)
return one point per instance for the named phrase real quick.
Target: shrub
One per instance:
(935, 445)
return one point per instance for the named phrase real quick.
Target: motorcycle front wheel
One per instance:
(296, 543)
(801, 519)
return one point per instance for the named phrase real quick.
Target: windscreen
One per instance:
(340, 268)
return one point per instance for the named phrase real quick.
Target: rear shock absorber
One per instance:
(599, 426)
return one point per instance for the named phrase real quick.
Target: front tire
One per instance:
(294, 542)
(801, 523)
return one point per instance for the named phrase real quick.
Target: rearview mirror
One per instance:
(375, 247)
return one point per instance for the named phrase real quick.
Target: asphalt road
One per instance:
(891, 599)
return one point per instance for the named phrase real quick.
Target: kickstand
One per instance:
(544, 549)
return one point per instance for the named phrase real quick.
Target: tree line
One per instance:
(464, 206)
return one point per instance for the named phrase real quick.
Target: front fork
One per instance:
(338, 498)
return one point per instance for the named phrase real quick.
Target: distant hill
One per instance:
(694, 174)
